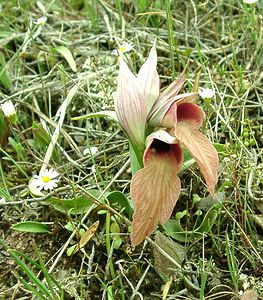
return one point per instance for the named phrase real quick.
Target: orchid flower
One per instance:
(158, 125)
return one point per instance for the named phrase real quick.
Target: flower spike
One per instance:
(170, 120)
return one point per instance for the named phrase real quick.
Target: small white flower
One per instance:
(46, 180)
(206, 93)
(93, 169)
(9, 111)
(2, 201)
(8, 108)
(246, 285)
(250, 1)
(91, 150)
(41, 21)
(123, 48)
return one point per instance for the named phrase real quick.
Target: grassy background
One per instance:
(223, 39)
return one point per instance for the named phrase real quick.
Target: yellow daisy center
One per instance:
(122, 49)
(46, 179)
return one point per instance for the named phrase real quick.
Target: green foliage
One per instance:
(30, 226)
(4, 77)
(78, 205)
(40, 135)
(43, 291)
(174, 229)
(81, 204)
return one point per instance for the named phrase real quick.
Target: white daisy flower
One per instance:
(9, 111)
(2, 201)
(206, 93)
(123, 48)
(250, 1)
(41, 21)
(91, 150)
(93, 169)
(46, 180)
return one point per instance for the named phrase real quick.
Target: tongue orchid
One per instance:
(158, 125)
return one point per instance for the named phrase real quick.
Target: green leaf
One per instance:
(40, 134)
(174, 229)
(31, 275)
(117, 242)
(207, 202)
(17, 147)
(70, 227)
(115, 228)
(71, 249)
(173, 249)
(4, 78)
(100, 114)
(75, 206)
(81, 204)
(30, 226)
(181, 214)
(208, 221)
(220, 148)
(65, 52)
(122, 200)
(43, 139)
(4, 129)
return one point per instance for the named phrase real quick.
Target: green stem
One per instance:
(169, 19)
(108, 244)
(136, 158)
